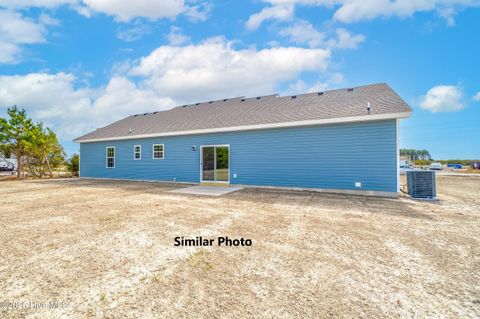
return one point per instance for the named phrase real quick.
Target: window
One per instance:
(137, 152)
(110, 157)
(157, 151)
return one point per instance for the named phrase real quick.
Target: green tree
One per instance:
(414, 154)
(73, 164)
(426, 155)
(15, 135)
(44, 153)
(35, 148)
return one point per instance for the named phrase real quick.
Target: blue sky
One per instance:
(80, 64)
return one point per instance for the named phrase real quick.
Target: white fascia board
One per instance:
(397, 128)
(338, 120)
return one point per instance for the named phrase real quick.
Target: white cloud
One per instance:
(47, 20)
(176, 37)
(304, 32)
(198, 11)
(214, 68)
(299, 86)
(346, 40)
(15, 31)
(124, 97)
(353, 11)
(20, 4)
(50, 98)
(133, 33)
(278, 12)
(70, 111)
(443, 98)
(169, 76)
(127, 10)
(350, 11)
(124, 10)
(303, 2)
(476, 97)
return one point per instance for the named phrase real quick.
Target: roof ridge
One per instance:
(260, 110)
(276, 95)
(336, 89)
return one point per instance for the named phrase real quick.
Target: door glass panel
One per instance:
(222, 164)
(208, 165)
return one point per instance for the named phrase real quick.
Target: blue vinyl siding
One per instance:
(326, 156)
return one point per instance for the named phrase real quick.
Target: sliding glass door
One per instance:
(208, 163)
(215, 163)
(221, 167)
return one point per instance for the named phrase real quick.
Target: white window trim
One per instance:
(153, 152)
(134, 152)
(114, 156)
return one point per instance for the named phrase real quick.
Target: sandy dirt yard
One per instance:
(99, 249)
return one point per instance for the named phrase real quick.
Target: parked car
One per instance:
(6, 166)
(404, 167)
(436, 166)
(475, 165)
(8, 163)
(455, 166)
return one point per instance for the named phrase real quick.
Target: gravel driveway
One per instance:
(98, 249)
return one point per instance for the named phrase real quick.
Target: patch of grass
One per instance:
(106, 218)
(199, 260)
(103, 296)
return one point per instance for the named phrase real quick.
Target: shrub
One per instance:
(423, 162)
(73, 164)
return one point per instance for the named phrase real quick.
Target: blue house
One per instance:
(342, 140)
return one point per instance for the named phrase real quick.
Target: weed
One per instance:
(199, 260)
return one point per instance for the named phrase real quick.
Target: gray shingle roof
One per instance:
(264, 110)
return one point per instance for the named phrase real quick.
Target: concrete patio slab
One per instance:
(207, 190)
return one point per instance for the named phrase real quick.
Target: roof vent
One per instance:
(129, 130)
(145, 113)
(350, 90)
(259, 97)
(225, 100)
(197, 103)
(294, 96)
(210, 102)
(135, 115)
(368, 108)
(185, 105)
(319, 93)
(155, 112)
(243, 100)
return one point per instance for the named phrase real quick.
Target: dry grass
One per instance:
(106, 250)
